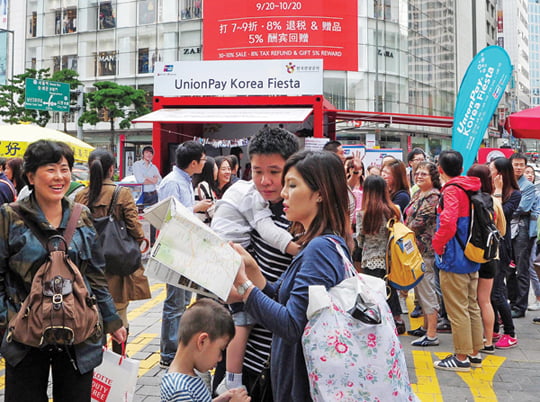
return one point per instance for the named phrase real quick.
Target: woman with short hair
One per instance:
(47, 170)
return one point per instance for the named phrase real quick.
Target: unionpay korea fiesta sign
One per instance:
(252, 29)
(239, 78)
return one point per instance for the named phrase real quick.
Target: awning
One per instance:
(226, 115)
(524, 124)
(394, 118)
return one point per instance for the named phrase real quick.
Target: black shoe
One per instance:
(518, 314)
(444, 327)
(536, 320)
(400, 326)
(417, 312)
(164, 364)
(417, 332)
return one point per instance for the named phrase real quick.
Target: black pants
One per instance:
(499, 300)
(393, 299)
(518, 284)
(27, 382)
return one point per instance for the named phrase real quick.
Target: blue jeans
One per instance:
(535, 283)
(174, 306)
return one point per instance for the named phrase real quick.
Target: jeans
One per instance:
(499, 301)
(535, 282)
(27, 381)
(174, 306)
(518, 286)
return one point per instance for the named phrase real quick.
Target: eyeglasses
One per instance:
(419, 160)
(421, 174)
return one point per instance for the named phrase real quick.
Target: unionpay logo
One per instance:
(168, 68)
(290, 67)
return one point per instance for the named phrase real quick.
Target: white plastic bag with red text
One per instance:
(115, 378)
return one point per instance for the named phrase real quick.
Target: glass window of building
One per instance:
(107, 15)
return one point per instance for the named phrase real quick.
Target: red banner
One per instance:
(488, 154)
(304, 29)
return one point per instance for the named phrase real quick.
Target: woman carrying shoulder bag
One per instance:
(98, 197)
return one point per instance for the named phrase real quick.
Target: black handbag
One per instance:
(121, 251)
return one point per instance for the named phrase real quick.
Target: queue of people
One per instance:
(285, 223)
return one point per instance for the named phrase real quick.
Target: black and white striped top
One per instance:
(272, 263)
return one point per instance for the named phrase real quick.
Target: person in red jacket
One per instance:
(458, 275)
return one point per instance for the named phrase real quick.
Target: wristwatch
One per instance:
(244, 287)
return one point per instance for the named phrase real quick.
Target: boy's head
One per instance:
(207, 326)
(450, 163)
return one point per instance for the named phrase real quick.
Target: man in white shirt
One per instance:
(147, 173)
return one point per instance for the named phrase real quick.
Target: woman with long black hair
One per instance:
(98, 197)
(507, 189)
(372, 236)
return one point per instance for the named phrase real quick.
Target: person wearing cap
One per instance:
(148, 174)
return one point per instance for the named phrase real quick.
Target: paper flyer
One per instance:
(188, 254)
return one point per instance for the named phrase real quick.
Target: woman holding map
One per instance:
(314, 186)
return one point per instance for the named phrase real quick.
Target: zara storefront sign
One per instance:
(239, 78)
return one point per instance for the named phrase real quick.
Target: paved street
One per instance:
(511, 375)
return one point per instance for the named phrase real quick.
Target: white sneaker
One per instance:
(535, 306)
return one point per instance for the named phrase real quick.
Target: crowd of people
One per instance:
(285, 223)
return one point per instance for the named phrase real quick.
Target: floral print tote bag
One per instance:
(346, 358)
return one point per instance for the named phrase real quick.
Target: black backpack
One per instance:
(483, 237)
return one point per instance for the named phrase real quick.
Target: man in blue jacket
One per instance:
(458, 275)
(523, 227)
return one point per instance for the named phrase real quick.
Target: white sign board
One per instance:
(374, 157)
(239, 78)
(315, 144)
(355, 150)
(188, 254)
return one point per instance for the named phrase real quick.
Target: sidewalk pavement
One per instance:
(507, 375)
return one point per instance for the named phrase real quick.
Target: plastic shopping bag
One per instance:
(354, 359)
(115, 379)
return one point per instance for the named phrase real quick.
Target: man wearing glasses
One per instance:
(414, 157)
(190, 159)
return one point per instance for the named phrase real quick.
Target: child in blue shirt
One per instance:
(206, 329)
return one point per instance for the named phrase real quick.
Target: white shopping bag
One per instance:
(115, 378)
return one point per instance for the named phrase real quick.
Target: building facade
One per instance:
(534, 51)
(411, 54)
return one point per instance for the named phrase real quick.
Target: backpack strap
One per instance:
(72, 222)
(70, 227)
(461, 244)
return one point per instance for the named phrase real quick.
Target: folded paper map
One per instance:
(188, 254)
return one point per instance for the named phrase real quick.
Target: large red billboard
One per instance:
(310, 29)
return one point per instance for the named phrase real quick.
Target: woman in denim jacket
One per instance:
(47, 169)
